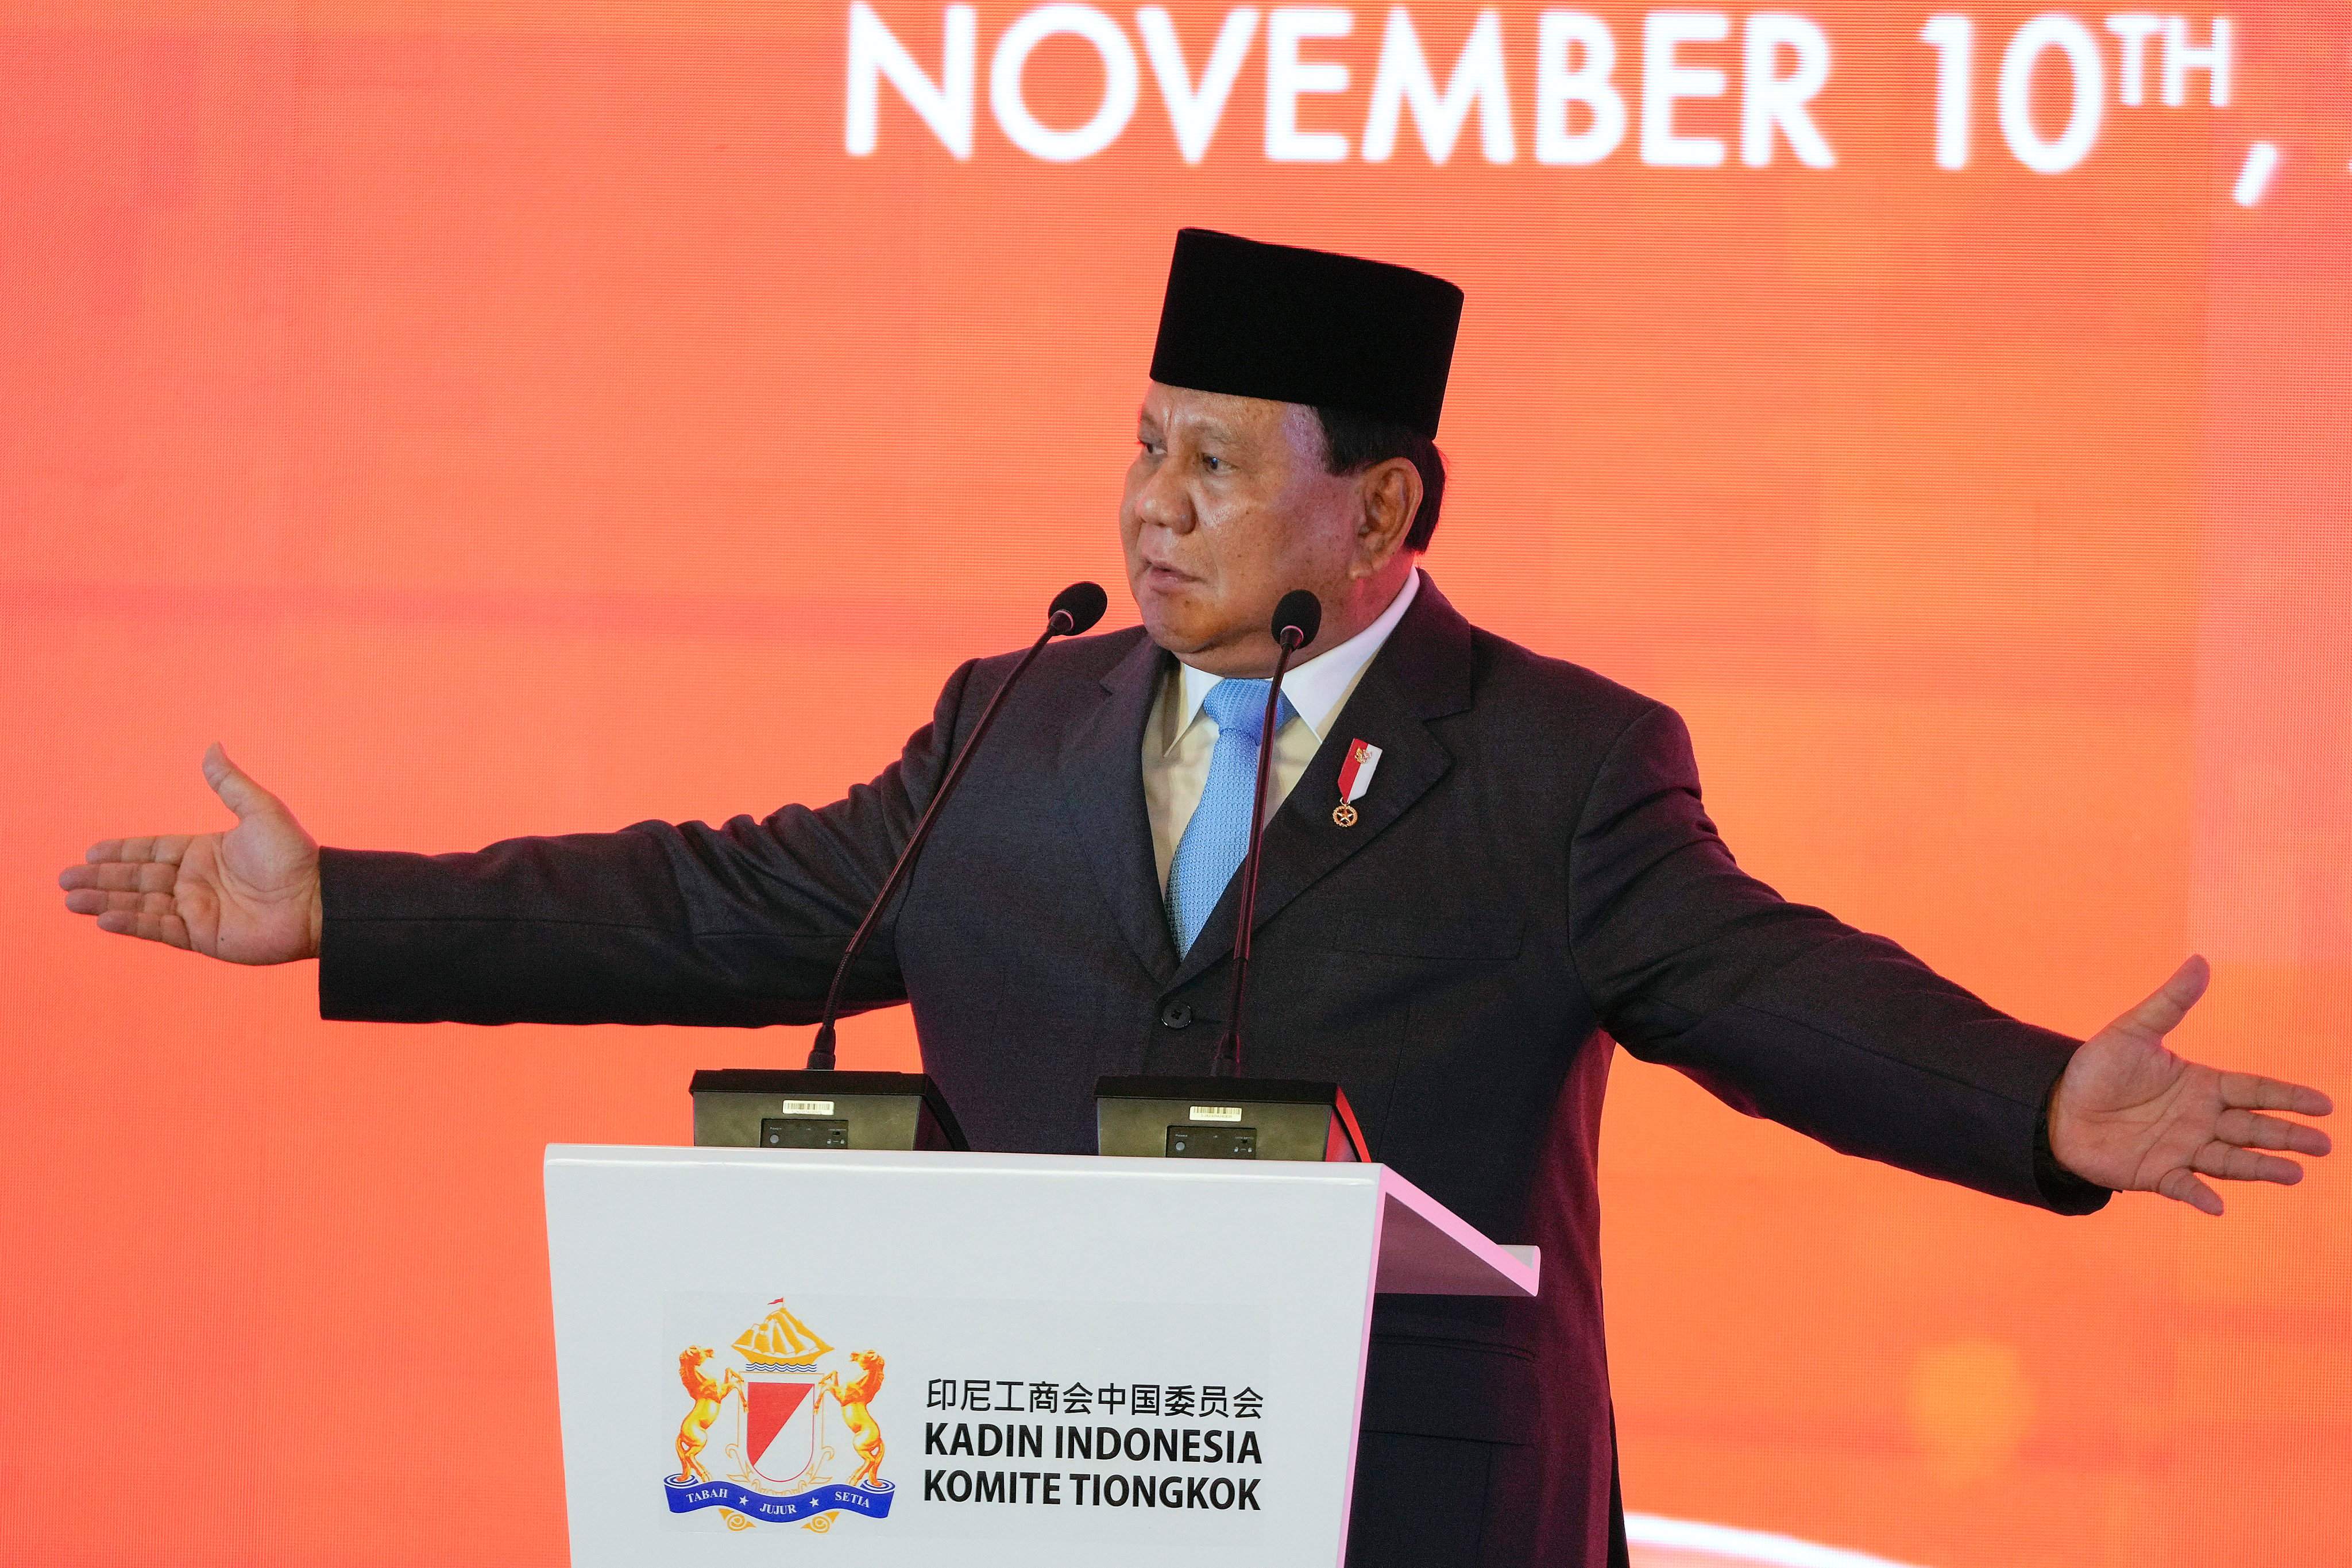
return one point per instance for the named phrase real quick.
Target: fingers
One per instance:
(2232, 1163)
(2239, 1133)
(2169, 1003)
(150, 865)
(2182, 1186)
(2247, 1131)
(167, 929)
(164, 849)
(2245, 1090)
(237, 791)
(138, 876)
(91, 901)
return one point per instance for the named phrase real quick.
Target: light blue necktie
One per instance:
(1218, 835)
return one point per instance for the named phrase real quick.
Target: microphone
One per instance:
(1074, 610)
(1296, 621)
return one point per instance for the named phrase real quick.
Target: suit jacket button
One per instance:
(1176, 1015)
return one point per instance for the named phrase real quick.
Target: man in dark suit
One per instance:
(1526, 874)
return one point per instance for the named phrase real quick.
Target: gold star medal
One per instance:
(1355, 778)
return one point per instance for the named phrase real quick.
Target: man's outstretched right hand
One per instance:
(246, 896)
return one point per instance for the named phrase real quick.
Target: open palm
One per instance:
(247, 896)
(2131, 1115)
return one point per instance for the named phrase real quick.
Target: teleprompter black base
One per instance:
(752, 1107)
(1205, 1119)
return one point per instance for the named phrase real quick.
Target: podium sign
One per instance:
(984, 1359)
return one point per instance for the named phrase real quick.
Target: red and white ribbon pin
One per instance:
(1355, 778)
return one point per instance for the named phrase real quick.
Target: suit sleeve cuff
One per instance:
(2062, 1190)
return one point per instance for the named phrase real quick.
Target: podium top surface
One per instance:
(1424, 1247)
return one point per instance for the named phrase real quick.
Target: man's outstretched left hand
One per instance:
(2130, 1115)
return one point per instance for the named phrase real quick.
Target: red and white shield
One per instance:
(780, 1426)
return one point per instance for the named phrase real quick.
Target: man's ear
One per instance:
(1391, 494)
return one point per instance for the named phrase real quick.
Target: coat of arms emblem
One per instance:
(794, 1423)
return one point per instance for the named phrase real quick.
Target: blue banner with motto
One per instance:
(685, 1497)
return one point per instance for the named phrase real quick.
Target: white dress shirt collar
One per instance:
(1319, 689)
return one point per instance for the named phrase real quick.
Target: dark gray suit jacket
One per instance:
(1532, 875)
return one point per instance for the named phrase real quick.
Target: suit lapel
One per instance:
(1422, 672)
(1102, 786)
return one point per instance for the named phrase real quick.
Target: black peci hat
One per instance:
(1307, 326)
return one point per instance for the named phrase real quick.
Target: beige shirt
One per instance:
(1179, 738)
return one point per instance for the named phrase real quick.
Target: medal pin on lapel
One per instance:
(1355, 778)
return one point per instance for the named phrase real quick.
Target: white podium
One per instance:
(770, 1355)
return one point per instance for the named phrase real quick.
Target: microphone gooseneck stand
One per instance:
(1296, 621)
(1074, 610)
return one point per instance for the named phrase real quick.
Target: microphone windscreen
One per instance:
(1302, 610)
(1084, 602)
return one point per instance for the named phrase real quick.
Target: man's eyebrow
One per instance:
(1199, 424)
(1207, 426)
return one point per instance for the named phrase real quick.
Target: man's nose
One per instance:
(1163, 501)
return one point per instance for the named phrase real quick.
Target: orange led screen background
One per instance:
(502, 417)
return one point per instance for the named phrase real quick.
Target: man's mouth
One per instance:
(1159, 574)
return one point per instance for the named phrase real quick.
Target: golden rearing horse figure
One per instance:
(695, 1430)
(865, 1432)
